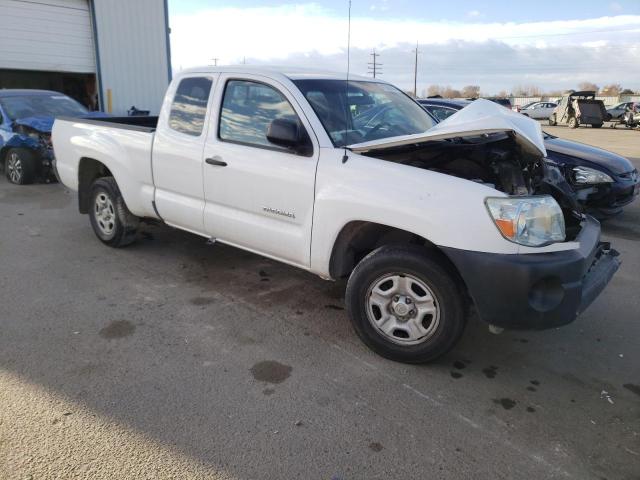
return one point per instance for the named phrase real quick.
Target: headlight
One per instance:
(586, 175)
(530, 221)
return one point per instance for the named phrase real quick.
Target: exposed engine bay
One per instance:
(495, 160)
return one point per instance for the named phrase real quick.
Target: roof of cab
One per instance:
(283, 72)
(15, 92)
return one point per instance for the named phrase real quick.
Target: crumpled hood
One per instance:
(40, 123)
(480, 117)
(615, 163)
(44, 123)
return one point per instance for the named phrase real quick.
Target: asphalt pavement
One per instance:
(173, 358)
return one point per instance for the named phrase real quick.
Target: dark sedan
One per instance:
(604, 182)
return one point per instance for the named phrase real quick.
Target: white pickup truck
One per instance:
(352, 179)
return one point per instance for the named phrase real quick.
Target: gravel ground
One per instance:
(178, 359)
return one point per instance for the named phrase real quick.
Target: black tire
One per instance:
(573, 122)
(20, 166)
(121, 227)
(415, 262)
(597, 125)
(552, 121)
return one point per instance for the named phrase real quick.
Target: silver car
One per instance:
(538, 110)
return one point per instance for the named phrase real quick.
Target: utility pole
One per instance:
(415, 74)
(215, 61)
(374, 66)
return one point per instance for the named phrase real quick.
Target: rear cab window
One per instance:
(189, 106)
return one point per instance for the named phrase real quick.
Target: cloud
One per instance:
(457, 53)
(615, 7)
(473, 14)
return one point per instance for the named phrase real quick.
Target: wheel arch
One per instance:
(357, 239)
(89, 170)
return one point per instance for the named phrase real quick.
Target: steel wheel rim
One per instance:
(14, 168)
(402, 308)
(104, 213)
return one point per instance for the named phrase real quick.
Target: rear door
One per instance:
(177, 152)
(258, 196)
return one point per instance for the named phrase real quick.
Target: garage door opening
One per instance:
(79, 86)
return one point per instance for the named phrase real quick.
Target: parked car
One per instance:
(418, 216)
(604, 182)
(632, 116)
(538, 110)
(617, 112)
(505, 102)
(26, 118)
(579, 108)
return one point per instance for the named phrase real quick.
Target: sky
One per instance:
(498, 45)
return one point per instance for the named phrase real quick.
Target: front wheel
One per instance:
(573, 122)
(552, 121)
(111, 220)
(405, 305)
(20, 166)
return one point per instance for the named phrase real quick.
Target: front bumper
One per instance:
(540, 290)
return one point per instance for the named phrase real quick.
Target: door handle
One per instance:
(216, 161)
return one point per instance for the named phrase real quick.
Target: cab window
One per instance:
(248, 108)
(189, 107)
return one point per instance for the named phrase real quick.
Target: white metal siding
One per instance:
(53, 35)
(132, 42)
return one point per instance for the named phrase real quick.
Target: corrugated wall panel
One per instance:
(53, 35)
(132, 41)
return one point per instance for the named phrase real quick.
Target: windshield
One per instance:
(371, 111)
(23, 106)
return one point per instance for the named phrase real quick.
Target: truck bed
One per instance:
(141, 124)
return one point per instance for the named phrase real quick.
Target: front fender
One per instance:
(445, 210)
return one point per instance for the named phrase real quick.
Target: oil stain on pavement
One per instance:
(506, 403)
(117, 329)
(271, 371)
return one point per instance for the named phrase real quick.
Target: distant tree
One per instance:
(626, 91)
(588, 86)
(471, 91)
(449, 92)
(503, 94)
(527, 91)
(612, 90)
(434, 90)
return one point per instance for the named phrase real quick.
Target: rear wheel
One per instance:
(20, 166)
(405, 305)
(552, 120)
(111, 220)
(573, 122)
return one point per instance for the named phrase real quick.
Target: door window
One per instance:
(189, 107)
(248, 108)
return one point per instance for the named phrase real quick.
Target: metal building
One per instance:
(108, 54)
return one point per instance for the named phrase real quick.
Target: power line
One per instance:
(374, 67)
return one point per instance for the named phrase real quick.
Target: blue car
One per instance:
(26, 119)
(603, 182)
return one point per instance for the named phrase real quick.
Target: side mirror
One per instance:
(289, 134)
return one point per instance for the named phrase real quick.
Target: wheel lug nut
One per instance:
(408, 301)
(396, 298)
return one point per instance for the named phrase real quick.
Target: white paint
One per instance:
(227, 202)
(50, 35)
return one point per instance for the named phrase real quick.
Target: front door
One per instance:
(259, 196)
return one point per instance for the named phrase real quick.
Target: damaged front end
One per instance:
(487, 144)
(35, 134)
